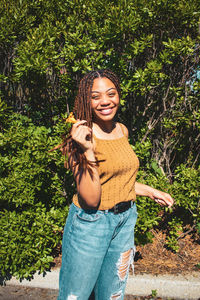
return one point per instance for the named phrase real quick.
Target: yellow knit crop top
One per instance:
(117, 170)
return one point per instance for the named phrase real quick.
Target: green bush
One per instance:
(185, 189)
(45, 48)
(35, 191)
(186, 211)
(28, 238)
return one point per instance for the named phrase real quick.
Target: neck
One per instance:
(107, 127)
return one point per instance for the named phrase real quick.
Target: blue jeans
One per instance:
(97, 250)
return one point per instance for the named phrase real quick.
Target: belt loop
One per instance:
(115, 210)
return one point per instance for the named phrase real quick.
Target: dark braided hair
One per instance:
(83, 111)
(82, 105)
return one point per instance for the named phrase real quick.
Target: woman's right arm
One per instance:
(88, 187)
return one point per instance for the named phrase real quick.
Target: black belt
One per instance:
(121, 207)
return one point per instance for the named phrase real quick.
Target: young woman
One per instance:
(98, 239)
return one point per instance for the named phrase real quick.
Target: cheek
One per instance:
(117, 101)
(93, 106)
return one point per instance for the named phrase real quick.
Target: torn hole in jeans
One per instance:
(116, 296)
(72, 297)
(124, 262)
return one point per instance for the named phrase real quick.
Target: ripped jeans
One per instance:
(97, 250)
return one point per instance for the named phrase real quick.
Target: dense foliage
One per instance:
(34, 196)
(45, 48)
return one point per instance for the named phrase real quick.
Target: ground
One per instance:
(26, 293)
(153, 258)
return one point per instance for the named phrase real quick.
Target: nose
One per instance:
(105, 100)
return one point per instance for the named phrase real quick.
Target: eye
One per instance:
(95, 97)
(111, 94)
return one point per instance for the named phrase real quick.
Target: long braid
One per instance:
(83, 111)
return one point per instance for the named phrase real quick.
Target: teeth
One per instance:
(106, 111)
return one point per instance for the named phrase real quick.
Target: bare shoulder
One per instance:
(124, 129)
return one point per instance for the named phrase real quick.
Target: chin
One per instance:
(105, 118)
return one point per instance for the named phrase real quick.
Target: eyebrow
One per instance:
(106, 91)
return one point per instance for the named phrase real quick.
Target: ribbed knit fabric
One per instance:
(117, 171)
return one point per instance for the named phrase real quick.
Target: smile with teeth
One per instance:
(106, 111)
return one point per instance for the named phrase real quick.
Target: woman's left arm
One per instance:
(164, 199)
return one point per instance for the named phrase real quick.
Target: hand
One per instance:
(82, 135)
(164, 199)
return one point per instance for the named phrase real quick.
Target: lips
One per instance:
(106, 111)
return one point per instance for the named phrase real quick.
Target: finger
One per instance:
(79, 122)
(81, 134)
(167, 198)
(82, 130)
(81, 125)
(76, 128)
(169, 201)
(163, 202)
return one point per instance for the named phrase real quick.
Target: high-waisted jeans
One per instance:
(97, 250)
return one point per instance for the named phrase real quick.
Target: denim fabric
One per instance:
(97, 250)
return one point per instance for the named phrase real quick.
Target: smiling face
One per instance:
(105, 100)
